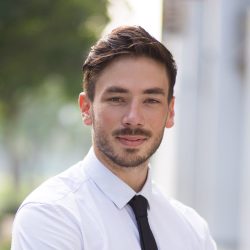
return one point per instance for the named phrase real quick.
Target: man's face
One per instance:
(130, 111)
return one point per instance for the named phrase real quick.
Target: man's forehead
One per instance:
(140, 74)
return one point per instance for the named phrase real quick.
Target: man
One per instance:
(108, 201)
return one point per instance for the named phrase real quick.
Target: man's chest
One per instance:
(116, 229)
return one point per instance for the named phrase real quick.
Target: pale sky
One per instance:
(146, 13)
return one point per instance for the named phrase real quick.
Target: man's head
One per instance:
(128, 100)
(129, 41)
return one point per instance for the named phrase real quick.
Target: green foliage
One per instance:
(10, 199)
(5, 246)
(40, 38)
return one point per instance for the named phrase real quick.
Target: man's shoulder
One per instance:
(185, 214)
(190, 215)
(59, 187)
(51, 211)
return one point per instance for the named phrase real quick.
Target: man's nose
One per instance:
(133, 116)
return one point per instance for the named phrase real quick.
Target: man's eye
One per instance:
(152, 101)
(116, 99)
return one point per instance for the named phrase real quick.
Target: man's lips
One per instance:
(138, 132)
(131, 140)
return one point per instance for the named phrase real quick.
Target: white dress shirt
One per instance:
(85, 208)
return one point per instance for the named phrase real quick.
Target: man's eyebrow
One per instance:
(114, 89)
(158, 91)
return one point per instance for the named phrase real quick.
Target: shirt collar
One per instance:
(111, 185)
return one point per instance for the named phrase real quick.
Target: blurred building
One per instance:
(210, 168)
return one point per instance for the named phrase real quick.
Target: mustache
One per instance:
(129, 131)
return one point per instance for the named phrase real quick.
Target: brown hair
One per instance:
(125, 41)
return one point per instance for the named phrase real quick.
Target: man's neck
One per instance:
(135, 177)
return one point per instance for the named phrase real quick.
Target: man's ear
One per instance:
(171, 113)
(85, 104)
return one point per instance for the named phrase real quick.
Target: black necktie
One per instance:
(139, 205)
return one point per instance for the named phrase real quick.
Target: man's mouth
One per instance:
(131, 141)
(132, 133)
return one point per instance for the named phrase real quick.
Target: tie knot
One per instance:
(139, 205)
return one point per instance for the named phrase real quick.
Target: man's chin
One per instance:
(129, 159)
(131, 150)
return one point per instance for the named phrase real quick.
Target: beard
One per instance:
(127, 157)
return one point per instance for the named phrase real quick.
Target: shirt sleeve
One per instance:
(45, 227)
(209, 241)
(198, 224)
(202, 230)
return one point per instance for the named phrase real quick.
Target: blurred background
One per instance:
(204, 161)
